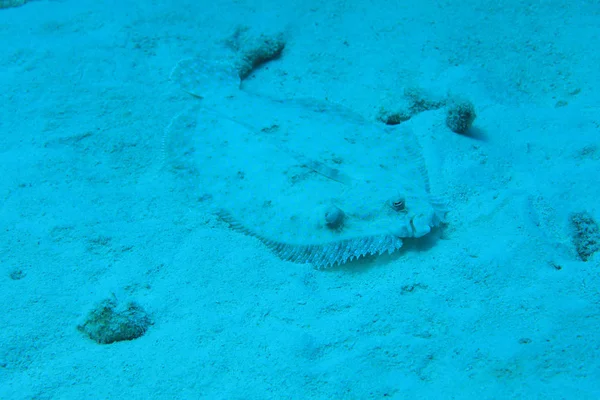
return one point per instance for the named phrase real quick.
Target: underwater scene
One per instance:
(345, 199)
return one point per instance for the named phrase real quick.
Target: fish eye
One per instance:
(398, 204)
(334, 217)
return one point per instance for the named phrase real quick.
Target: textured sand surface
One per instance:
(501, 306)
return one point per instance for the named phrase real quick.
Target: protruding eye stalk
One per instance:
(398, 204)
(334, 218)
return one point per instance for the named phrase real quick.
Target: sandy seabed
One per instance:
(499, 305)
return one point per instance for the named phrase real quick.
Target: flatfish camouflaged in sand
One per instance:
(314, 182)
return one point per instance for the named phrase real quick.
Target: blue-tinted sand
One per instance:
(498, 304)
